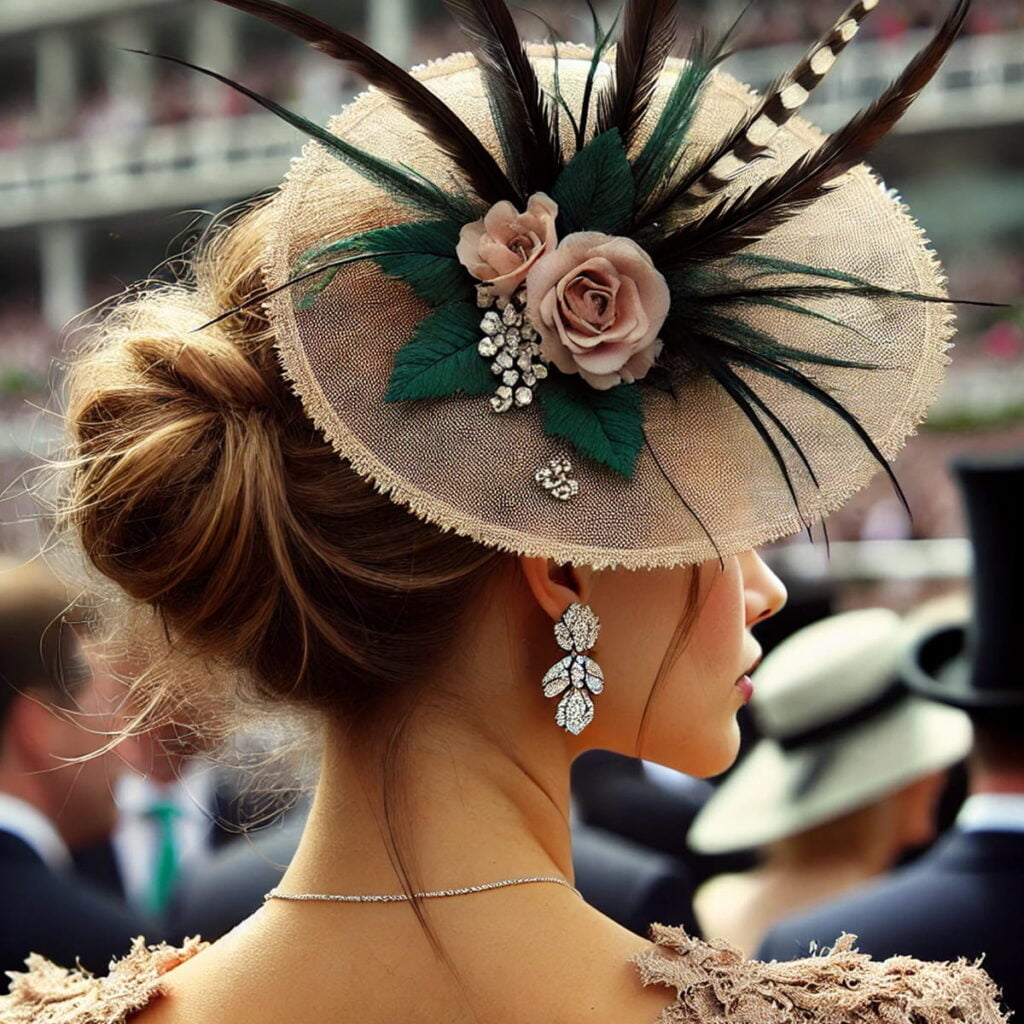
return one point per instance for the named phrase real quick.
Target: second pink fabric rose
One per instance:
(598, 302)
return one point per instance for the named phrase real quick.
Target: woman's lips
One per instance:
(745, 684)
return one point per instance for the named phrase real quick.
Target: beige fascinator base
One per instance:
(459, 465)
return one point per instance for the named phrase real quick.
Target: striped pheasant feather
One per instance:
(783, 99)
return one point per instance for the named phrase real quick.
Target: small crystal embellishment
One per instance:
(555, 479)
(576, 676)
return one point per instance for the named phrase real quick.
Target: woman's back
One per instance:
(251, 976)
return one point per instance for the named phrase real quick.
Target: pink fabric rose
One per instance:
(501, 248)
(598, 303)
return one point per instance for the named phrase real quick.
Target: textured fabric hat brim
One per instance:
(706, 485)
(762, 802)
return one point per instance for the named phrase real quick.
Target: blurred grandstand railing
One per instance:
(981, 83)
(170, 165)
(945, 558)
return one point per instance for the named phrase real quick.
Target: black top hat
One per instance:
(978, 664)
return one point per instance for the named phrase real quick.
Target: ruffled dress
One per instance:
(713, 982)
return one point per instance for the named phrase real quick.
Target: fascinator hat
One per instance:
(599, 304)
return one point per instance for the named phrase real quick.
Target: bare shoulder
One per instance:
(608, 977)
(47, 993)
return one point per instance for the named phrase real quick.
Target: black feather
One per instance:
(778, 370)
(679, 494)
(441, 124)
(738, 222)
(522, 116)
(735, 388)
(601, 38)
(324, 268)
(648, 36)
(405, 185)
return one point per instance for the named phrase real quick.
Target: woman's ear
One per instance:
(554, 586)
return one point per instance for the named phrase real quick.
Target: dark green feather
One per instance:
(406, 186)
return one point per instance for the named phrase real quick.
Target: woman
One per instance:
(418, 290)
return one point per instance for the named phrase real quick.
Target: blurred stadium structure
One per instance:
(101, 150)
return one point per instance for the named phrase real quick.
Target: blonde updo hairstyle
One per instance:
(249, 559)
(199, 486)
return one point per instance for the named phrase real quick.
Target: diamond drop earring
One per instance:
(576, 632)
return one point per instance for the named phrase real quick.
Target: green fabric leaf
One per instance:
(420, 253)
(441, 357)
(607, 426)
(595, 190)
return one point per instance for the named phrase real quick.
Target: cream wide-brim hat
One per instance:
(822, 674)
(708, 485)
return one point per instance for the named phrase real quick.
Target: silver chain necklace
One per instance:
(400, 897)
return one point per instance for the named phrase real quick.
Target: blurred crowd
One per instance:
(880, 789)
(303, 80)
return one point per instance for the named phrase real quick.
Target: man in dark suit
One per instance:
(53, 710)
(965, 897)
(175, 813)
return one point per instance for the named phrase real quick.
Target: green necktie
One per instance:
(164, 813)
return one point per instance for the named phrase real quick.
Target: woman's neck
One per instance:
(456, 810)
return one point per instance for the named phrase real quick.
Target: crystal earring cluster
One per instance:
(512, 342)
(576, 676)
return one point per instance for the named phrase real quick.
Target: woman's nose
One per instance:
(764, 592)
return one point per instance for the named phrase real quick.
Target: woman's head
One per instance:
(203, 490)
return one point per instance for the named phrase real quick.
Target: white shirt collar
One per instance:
(31, 826)
(193, 793)
(992, 812)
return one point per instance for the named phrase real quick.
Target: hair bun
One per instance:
(204, 364)
(176, 439)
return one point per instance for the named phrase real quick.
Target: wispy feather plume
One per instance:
(441, 124)
(519, 108)
(738, 222)
(648, 36)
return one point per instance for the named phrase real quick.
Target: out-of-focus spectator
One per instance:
(174, 813)
(54, 712)
(963, 898)
(846, 779)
